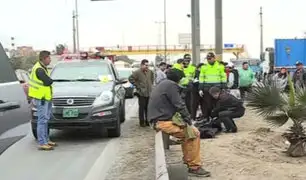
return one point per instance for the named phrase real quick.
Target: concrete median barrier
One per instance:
(162, 170)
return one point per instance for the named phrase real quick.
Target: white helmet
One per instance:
(230, 64)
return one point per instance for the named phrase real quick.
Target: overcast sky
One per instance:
(44, 23)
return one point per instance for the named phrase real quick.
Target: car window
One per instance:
(81, 70)
(7, 74)
(124, 73)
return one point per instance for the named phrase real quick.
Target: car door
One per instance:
(14, 108)
(119, 89)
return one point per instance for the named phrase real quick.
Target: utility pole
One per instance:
(73, 32)
(261, 36)
(218, 29)
(195, 31)
(159, 34)
(165, 30)
(77, 27)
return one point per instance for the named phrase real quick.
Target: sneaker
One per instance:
(45, 147)
(53, 144)
(199, 172)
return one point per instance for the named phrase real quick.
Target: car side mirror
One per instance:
(122, 81)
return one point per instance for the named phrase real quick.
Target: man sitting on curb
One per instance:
(227, 108)
(166, 105)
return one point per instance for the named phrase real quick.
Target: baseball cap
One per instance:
(297, 63)
(210, 55)
(187, 57)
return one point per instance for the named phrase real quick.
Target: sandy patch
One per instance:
(254, 153)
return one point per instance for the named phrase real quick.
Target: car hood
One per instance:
(80, 88)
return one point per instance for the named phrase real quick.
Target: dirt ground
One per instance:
(135, 160)
(254, 153)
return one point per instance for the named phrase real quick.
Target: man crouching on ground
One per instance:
(165, 102)
(227, 108)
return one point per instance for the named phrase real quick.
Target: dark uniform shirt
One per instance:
(41, 75)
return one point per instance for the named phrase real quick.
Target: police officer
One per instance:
(179, 67)
(40, 90)
(211, 74)
(189, 71)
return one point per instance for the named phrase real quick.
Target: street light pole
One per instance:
(261, 36)
(218, 29)
(195, 31)
(165, 30)
(77, 27)
(73, 32)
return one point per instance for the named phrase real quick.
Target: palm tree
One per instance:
(278, 107)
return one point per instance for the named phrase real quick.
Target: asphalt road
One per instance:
(79, 156)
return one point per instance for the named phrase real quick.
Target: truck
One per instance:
(287, 52)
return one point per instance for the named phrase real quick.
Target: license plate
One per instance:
(70, 113)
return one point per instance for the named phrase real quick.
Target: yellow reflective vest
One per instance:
(190, 72)
(37, 90)
(212, 74)
(184, 81)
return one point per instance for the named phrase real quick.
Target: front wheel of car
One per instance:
(122, 112)
(34, 131)
(116, 131)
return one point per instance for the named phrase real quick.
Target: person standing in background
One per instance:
(189, 71)
(232, 77)
(211, 74)
(299, 76)
(281, 79)
(197, 100)
(160, 73)
(246, 79)
(143, 80)
(40, 90)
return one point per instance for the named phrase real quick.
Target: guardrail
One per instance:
(162, 170)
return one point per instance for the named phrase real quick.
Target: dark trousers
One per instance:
(227, 118)
(188, 100)
(243, 91)
(143, 110)
(208, 104)
(196, 101)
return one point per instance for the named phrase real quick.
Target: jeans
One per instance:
(43, 115)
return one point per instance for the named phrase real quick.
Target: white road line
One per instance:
(106, 159)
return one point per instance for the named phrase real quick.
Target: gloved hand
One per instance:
(201, 93)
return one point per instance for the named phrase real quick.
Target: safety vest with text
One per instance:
(212, 74)
(37, 90)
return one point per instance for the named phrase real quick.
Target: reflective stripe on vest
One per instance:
(212, 73)
(37, 89)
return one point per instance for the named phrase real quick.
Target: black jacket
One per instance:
(236, 79)
(226, 102)
(165, 101)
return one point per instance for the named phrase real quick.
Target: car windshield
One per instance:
(81, 71)
(124, 73)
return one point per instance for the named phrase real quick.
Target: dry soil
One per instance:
(254, 153)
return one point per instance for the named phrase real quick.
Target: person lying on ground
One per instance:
(227, 108)
(165, 109)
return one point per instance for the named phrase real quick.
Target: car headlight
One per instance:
(105, 98)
